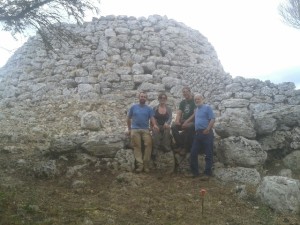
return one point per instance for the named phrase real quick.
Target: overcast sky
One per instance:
(248, 35)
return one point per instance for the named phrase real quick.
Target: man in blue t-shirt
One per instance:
(138, 119)
(204, 136)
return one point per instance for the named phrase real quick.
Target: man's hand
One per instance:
(206, 131)
(177, 122)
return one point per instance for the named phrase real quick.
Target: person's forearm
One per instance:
(190, 119)
(169, 121)
(178, 117)
(129, 124)
(153, 121)
(211, 124)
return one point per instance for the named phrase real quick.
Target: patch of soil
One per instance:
(154, 198)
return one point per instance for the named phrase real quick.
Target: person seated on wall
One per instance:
(183, 135)
(163, 117)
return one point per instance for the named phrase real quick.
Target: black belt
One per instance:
(199, 131)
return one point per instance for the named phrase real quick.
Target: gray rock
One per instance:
(280, 193)
(91, 121)
(239, 175)
(239, 151)
(292, 161)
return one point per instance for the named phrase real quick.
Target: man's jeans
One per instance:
(137, 135)
(206, 141)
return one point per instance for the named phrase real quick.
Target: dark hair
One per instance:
(162, 94)
(186, 88)
(142, 92)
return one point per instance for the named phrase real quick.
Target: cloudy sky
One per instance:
(249, 36)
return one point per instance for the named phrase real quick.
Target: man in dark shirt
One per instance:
(186, 109)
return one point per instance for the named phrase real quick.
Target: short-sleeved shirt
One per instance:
(140, 115)
(187, 107)
(203, 115)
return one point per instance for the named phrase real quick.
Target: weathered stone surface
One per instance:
(286, 116)
(91, 121)
(235, 103)
(276, 140)
(165, 162)
(46, 169)
(280, 193)
(292, 161)
(235, 122)
(239, 151)
(103, 145)
(239, 175)
(125, 160)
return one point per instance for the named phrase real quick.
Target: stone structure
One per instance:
(73, 102)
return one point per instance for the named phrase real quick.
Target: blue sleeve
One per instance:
(211, 114)
(130, 112)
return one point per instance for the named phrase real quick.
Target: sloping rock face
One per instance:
(74, 101)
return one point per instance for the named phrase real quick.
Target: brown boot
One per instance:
(146, 167)
(204, 177)
(182, 152)
(139, 168)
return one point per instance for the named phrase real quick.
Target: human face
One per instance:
(186, 93)
(198, 100)
(162, 99)
(142, 98)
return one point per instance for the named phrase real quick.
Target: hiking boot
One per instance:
(177, 150)
(192, 176)
(204, 177)
(182, 152)
(139, 169)
(146, 167)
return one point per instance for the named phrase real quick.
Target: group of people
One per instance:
(191, 130)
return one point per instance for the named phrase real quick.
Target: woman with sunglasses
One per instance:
(163, 117)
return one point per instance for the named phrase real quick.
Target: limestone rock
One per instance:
(280, 193)
(239, 175)
(292, 161)
(91, 121)
(239, 151)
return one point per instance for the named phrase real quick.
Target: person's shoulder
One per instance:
(149, 107)
(208, 106)
(134, 106)
(183, 101)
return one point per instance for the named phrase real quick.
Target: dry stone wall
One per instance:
(75, 99)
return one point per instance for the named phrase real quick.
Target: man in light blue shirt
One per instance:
(138, 119)
(204, 136)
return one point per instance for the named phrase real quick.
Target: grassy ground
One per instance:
(146, 199)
